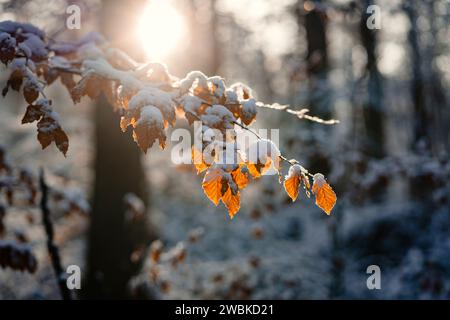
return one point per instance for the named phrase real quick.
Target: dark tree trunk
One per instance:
(420, 132)
(118, 171)
(373, 112)
(314, 21)
(430, 135)
(205, 47)
(317, 51)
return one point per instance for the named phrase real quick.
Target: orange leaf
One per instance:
(325, 196)
(258, 169)
(240, 177)
(198, 160)
(260, 156)
(232, 202)
(291, 186)
(212, 185)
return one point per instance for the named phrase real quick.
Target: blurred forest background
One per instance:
(387, 159)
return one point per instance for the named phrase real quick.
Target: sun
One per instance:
(160, 28)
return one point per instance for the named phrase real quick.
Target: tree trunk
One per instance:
(118, 171)
(420, 134)
(314, 20)
(373, 112)
(430, 136)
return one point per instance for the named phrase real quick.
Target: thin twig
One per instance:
(51, 246)
(247, 129)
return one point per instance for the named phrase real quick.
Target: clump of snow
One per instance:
(261, 151)
(13, 27)
(319, 179)
(191, 103)
(218, 84)
(34, 46)
(231, 96)
(295, 170)
(218, 116)
(241, 90)
(102, 68)
(249, 109)
(151, 115)
(151, 96)
(186, 83)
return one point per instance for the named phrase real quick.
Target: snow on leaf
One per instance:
(260, 156)
(158, 98)
(325, 196)
(50, 131)
(296, 176)
(218, 117)
(7, 48)
(148, 128)
(292, 181)
(240, 176)
(186, 83)
(199, 160)
(31, 90)
(248, 111)
(89, 85)
(242, 91)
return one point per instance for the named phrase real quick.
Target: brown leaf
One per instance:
(8, 49)
(15, 81)
(33, 113)
(49, 131)
(148, 128)
(67, 80)
(90, 85)
(30, 92)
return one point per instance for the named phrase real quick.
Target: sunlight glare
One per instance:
(160, 28)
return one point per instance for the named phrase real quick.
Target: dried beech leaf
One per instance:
(148, 128)
(291, 185)
(31, 93)
(33, 113)
(240, 176)
(212, 185)
(49, 131)
(325, 196)
(199, 160)
(232, 202)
